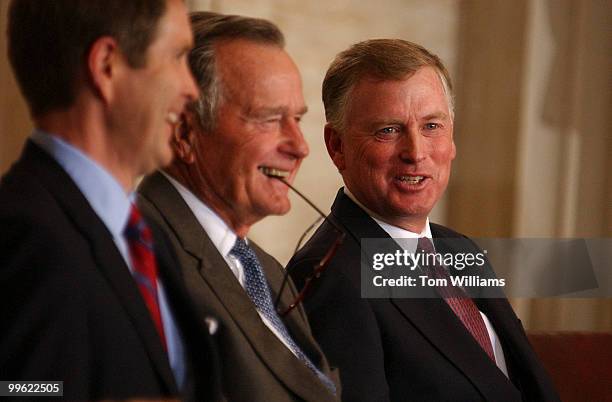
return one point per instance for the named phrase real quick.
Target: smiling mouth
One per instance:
(274, 172)
(411, 179)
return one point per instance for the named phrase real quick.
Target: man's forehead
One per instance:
(258, 79)
(245, 50)
(373, 95)
(376, 79)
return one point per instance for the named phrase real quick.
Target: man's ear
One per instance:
(183, 139)
(335, 146)
(103, 62)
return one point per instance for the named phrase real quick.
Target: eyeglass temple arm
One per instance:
(315, 274)
(321, 214)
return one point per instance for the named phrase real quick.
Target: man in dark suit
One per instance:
(242, 130)
(90, 295)
(389, 131)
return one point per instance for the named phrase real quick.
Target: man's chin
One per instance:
(280, 206)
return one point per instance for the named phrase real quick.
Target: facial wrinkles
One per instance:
(373, 162)
(258, 88)
(221, 177)
(227, 174)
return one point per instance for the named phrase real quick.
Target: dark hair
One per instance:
(208, 30)
(48, 42)
(387, 59)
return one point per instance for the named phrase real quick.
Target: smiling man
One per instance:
(90, 294)
(389, 132)
(231, 144)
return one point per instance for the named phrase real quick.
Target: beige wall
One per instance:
(14, 120)
(533, 117)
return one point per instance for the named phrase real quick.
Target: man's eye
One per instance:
(272, 119)
(388, 130)
(431, 126)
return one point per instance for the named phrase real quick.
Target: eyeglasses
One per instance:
(317, 268)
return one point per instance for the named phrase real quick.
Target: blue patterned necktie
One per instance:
(259, 292)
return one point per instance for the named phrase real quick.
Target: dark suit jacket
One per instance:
(407, 349)
(70, 308)
(257, 367)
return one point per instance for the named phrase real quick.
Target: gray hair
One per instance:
(210, 29)
(387, 59)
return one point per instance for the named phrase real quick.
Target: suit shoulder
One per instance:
(316, 247)
(21, 192)
(149, 210)
(157, 220)
(30, 216)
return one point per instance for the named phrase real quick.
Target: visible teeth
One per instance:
(172, 118)
(411, 179)
(272, 172)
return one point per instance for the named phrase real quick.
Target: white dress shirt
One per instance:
(223, 238)
(399, 233)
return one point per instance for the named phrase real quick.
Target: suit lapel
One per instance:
(219, 277)
(110, 263)
(444, 332)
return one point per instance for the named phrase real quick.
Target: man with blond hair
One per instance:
(389, 132)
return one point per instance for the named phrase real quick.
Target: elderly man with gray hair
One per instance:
(230, 146)
(389, 132)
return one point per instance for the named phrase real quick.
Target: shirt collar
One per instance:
(103, 192)
(219, 232)
(393, 231)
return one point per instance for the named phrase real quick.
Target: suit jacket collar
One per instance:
(214, 270)
(109, 261)
(446, 331)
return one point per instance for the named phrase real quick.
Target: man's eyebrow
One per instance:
(270, 111)
(264, 111)
(435, 115)
(386, 122)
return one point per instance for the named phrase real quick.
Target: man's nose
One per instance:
(412, 146)
(294, 143)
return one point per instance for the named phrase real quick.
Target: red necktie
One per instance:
(140, 244)
(461, 304)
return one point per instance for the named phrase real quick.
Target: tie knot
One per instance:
(241, 248)
(426, 245)
(137, 229)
